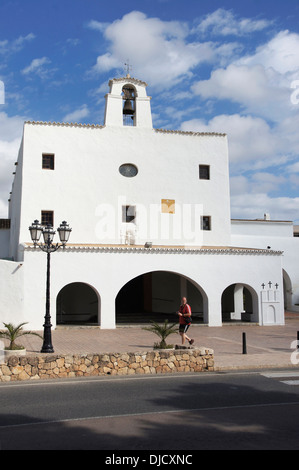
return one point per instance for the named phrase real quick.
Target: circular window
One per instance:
(128, 169)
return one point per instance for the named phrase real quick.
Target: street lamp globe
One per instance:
(48, 234)
(35, 231)
(64, 232)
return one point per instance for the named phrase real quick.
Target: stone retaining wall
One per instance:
(154, 362)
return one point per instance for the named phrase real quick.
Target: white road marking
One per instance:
(151, 413)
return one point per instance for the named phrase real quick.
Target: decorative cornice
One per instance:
(162, 250)
(64, 124)
(128, 79)
(98, 126)
(167, 131)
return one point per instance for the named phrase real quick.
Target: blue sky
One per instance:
(225, 66)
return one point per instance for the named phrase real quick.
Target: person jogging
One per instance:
(185, 321)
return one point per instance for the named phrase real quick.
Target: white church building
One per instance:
(150, 216)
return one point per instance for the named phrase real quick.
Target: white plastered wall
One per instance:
(107, 273)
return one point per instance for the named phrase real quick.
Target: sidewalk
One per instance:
(267, 346)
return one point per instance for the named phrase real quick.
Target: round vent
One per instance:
(128, 169)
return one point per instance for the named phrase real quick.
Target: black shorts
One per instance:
(184, 328)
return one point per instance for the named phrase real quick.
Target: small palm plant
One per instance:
(163, 331)
(12, 333)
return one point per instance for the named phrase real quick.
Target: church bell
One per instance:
(128, 108)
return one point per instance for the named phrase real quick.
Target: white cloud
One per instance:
(2, 93)
(260, 83)
(10, 127)
(225, 22)
(73, 42)
(241, 84)
(281, 53)
(8, 47)
(267, 181)
(294, 168)
(252, 87)
(10, 137)
(37, 67)
(77, 115)
(254, 205)
(251, 140)
(294, 180)
(98, 26)
(158, 50)
(239, 185)
(260, 163)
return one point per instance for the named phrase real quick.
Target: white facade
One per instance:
(167, 219)
(273, 235)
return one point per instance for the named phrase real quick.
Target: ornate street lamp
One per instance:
(48, 247)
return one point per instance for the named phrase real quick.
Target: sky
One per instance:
(219, 66)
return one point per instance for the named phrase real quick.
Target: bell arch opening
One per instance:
(239, 303)
(77, 304)
(129, 107)
(156, 296)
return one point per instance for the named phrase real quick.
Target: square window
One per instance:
(128, 214)
(47, 218)
(206, 222)
(48, 161)
(204, 172)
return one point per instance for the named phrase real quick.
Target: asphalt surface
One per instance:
(250, 402)
(208, 411)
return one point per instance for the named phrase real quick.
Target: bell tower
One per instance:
(127, 103)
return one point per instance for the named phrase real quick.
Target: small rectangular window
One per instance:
(204, 172)
(128, 214)
(206, 222)
(47, 218)
(48, 161)
(4, 223)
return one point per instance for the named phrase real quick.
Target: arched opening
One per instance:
(287, 291)
(77, 304)
(129, 107)
(239, 303)
(156, 296)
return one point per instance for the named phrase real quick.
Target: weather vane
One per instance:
(128, 67)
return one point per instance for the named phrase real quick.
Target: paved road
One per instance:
(256, 410)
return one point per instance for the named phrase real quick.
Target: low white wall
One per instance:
(12, 293)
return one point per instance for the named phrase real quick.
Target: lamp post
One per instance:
(48, 247)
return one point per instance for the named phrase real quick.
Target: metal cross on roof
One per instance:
(128, 67)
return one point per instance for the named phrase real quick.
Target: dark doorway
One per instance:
(237, 304)
(77, 304)
(156, 296)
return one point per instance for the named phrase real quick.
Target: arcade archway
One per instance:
(156, 296)
(239, 302)
(77, 304)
